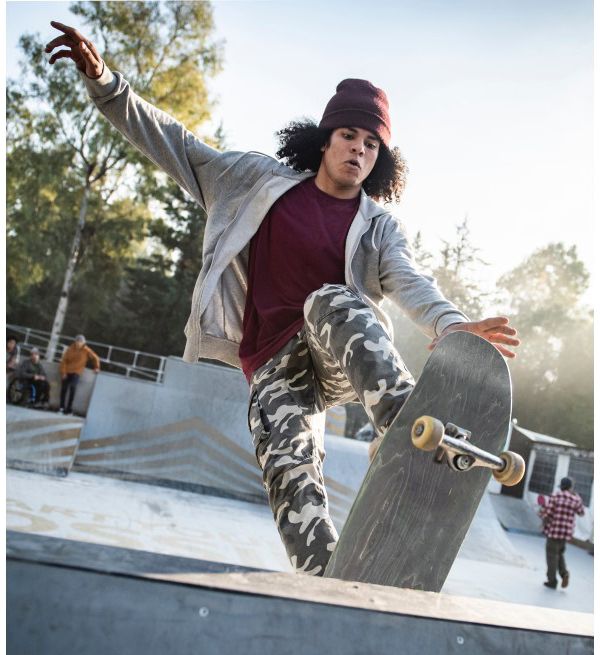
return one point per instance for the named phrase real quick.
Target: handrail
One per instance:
(123, 361)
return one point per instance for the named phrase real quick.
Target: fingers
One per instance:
(495, 330)
(81, 50)
(495, 320)
(88, 54)
(504, 351)
(502, 338)
(93, 66)
(58, 41)
(93, 49)
(496, 324)
(70, 31)
(64, 54)
(502, 329)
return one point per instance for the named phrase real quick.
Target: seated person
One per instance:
(31, 371)
(12, 354)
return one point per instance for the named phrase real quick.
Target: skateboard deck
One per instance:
(412, 513)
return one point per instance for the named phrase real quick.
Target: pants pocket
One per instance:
(257, 424)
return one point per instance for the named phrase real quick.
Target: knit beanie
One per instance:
(358, 103)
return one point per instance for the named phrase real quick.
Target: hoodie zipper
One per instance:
(250, 196)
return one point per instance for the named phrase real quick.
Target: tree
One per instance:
(156, 289)
(87, 167)
(553, 375)
(456, 270)
(423, 258)
(458, 274)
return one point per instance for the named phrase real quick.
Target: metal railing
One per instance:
(123, 361)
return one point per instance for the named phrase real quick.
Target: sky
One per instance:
(490, 102)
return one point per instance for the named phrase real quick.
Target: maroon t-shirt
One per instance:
(299, 247)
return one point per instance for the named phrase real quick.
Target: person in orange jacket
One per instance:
(72, 363)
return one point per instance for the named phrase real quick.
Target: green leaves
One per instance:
(553, 376)
(543, 296)
(58, 143)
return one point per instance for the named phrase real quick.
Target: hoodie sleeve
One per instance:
(24, 370)
(415, 293)
(161, 138)
(93, 358)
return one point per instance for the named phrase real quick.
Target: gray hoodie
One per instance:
(237, 190)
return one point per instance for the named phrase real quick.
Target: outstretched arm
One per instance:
(164, 140)
(419, 297)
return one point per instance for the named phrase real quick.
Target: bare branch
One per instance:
(78, 150)
(177, 28)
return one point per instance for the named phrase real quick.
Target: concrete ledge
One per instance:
(85, 387)
(56, 607)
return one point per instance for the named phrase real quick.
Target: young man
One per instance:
(32, 372)
(72, 363)
(559, 524)
(297, 260)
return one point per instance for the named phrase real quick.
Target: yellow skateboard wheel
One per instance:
(427, 433)
(513, 471)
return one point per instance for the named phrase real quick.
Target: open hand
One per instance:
(495, 330)
(81, 50)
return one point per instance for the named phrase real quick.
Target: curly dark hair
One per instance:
(300, 144)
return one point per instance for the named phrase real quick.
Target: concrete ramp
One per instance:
(64, 600)
(516, 515)
(486, 539)
(40, 441)
(192, 432)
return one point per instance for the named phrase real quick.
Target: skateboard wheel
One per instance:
(513, 471)
(427, 433)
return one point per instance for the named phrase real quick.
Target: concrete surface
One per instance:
(114, 512)
(516, 515)
(41, 440)
(184, 432)
(85, 388)
(57, 610)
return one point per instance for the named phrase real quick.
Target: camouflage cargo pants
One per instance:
(342, 354)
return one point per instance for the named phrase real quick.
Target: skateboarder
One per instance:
(558, 513)
(298, 258)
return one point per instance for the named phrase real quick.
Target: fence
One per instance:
(130, 363)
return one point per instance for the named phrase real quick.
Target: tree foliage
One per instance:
(157, 287)
(455, 268)
(543, 296)
(58, 145)
(553, 375)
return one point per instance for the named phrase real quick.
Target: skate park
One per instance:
(146, 509)
(139, 522)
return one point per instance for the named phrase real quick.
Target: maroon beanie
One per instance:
(357, 103)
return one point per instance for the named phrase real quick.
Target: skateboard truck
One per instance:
(453, 443)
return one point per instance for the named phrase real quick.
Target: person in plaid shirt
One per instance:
(558, 514)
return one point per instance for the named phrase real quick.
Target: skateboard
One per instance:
(429, 474)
